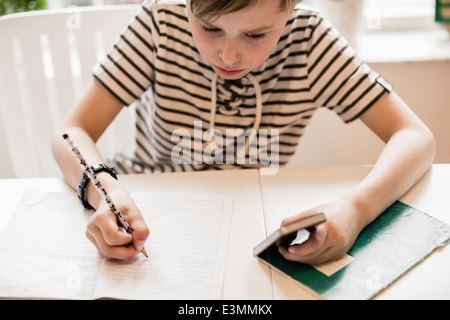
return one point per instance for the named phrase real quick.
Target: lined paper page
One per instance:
(44, 252)
(187, 250)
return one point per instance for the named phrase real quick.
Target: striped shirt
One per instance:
(156, 66)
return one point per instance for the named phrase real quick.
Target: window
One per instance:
(399, 14)
(52, 4)
(394, 14)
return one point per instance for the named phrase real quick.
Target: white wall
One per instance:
(425, 87)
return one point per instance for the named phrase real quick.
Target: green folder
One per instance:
(443, 11)
(395, 242)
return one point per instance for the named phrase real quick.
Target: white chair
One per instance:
(46, 61)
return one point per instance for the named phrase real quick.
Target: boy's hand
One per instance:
(328, 241)
(111, 240)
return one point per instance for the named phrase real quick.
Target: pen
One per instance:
(99, 187)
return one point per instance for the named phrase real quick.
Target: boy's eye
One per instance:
(253, 36)
(256, 36)
(209, 30)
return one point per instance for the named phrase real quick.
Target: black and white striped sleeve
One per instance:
(339, 79)
(127, 71)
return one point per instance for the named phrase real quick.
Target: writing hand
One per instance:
(111, 240)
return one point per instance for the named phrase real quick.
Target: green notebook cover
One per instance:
(443, 11)
(395, 242)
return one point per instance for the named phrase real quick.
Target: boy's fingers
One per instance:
(108, 228)
(111, 241)
(121, 252)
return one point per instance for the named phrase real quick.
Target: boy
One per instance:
(250, 65)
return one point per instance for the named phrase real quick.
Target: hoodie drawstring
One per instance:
(259, 107)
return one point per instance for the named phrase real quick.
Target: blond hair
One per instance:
(218, 8)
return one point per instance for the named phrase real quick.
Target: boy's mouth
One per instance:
(228, 73)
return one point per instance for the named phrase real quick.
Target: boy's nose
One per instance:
(230, 53)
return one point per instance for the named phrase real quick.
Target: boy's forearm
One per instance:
(404, 160)
(69, 165)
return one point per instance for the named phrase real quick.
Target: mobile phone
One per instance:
(286, 234)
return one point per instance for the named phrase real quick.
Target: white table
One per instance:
(285, 194)
(245, 278)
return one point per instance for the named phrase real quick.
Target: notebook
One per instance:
(44, 252)
(394, 243)
(442, 11)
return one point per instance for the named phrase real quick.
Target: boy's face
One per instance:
(236, 43)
